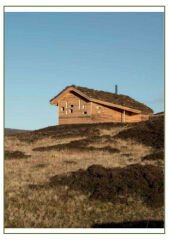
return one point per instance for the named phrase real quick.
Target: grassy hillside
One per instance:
(90, 175)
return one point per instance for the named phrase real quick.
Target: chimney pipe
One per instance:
(116, 89)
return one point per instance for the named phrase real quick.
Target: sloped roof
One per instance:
(113, 98)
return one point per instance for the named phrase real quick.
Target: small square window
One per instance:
(85, 112)
(72, 105)
(62, 109)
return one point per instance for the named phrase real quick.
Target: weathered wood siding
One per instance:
(73, 109)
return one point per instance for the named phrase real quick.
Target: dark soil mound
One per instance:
(159, 113)
(79, 145)
(15, 155)
(150, 132)
(69, 130)
(117, 184)
(11, 131)
(66, 131)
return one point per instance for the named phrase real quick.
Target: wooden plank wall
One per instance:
(73, 110)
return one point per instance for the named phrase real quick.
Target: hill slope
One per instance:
(86, 175)
(11, 131)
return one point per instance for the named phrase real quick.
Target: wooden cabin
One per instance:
(83, 105)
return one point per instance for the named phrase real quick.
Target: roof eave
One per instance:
(53, 101)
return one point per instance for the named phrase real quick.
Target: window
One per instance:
(72, 105)
(85, 112)
(70, 110)
(62, 109)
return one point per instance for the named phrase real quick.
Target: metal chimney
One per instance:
(116, 89)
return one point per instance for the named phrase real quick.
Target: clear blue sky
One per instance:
(45, 52)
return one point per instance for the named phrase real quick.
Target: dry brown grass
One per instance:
(62, 206)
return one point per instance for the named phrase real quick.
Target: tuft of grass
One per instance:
(64, 208)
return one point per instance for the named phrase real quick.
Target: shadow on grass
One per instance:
(134, 224)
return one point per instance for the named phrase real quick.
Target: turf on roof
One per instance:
(109, 97)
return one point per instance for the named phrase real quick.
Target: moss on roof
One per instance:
(109, 97)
